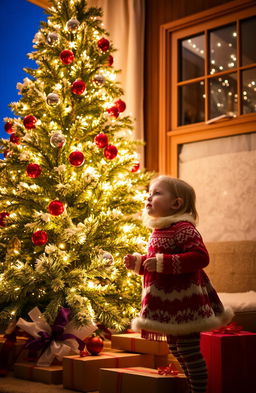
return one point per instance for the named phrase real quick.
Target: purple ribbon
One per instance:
(57, 334)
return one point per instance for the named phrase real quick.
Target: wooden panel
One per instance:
(41, 3)
(159, 12)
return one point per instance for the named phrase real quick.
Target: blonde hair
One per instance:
(180, 189)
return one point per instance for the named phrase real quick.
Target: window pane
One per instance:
(191, 103)
(223, 49)
(249, 91)
(248, 34)
(223, 95)
(192, 57)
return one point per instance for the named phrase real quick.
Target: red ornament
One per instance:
(135, 167)
(121, 105)
(56, 208)
(3, 215)
(39, 238)
(8, 127)
(67, 56)
(7, 153)
(76, 158)
(78, 87)
(94, 345)
(113, 111)
(15, 138)
(29, 122)
(101, 140)
(103, 44)
(33, 170)
(110, 152)
(110, 60)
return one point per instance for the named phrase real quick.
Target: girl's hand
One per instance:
(129, 261)
(150, 264)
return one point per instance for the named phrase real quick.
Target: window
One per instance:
(208, 78)
(217, 57)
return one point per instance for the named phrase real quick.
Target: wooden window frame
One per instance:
(171, 136)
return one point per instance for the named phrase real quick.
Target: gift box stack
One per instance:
(230, 357)
(132, 364)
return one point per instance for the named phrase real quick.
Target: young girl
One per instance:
(178, 300)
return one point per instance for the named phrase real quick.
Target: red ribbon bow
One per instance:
(169, 370)
(231, 328)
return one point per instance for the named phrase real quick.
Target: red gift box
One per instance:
(230, 360)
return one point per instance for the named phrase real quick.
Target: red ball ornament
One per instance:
(101, 140)
(39, 238)
(33, 170)
(110, 152)
(15, 138)
(121, 105)
(103, 44)
(29, 122)
(78, 87)
(94, 345)
(113, 111)
(110, 60)
(56, 208)
(67, 56)
(76, 158)
(7, 153)
(3, 215)
(135, 167)
(8, 127)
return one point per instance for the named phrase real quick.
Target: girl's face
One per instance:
(160, 202)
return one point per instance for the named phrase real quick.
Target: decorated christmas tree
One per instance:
(71, 186)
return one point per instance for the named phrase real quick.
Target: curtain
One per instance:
(125, 20)
(223, 174)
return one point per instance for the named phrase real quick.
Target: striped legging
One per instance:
(187, 350)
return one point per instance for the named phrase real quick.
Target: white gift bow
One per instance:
(56, 349)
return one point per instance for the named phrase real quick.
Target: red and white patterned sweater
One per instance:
(178, 298)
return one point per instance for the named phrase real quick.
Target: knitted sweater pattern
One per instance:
(178, 298)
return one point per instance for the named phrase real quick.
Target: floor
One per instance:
(10, 384)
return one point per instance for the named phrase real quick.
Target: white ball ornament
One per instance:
(73, 24)
(57, 139)
(52, 38)
(53, 99)
(99, 79)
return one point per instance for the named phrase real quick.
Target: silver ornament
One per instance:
(53, 99)
(57, 139)
(52, 38)
(99, 79)
(73, 24)
(107, 256)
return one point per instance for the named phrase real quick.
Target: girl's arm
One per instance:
(135, 263)
(192, 257)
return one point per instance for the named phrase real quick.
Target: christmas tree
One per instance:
(71, 187)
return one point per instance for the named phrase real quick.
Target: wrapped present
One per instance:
(140, 379)
(230, 359)
(164, 360)
(134, 343)
(56, 341)
(51, 375)
(83, 373)
(11, 350)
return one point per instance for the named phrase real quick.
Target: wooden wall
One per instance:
(157, 13)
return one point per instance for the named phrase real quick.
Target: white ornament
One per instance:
(53, 99)
(99, 79)
(73, 24)
(57, 139)
(52, 38)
